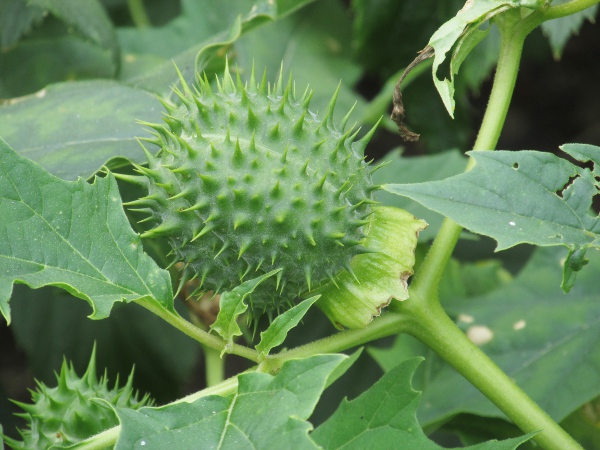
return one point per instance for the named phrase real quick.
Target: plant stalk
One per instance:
(432, 326)
(206, 339)
(138, 13)
(430, 273)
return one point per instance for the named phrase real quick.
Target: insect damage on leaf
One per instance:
(248, 180)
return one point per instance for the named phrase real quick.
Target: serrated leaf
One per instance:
(266, 412)
(354, 299)
(232, 304)
(16, 19)
(558, 31)
(521, 197)
(385, 417)
(72, 235)
(72, 129)
(279, 328)
(88, 19)
(464, 29)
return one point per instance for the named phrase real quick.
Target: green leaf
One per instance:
(232, 305)
(354, 299)
(35, 63)
(558, 31)
(37, 314)
(88, 19)
(279, 328)
(522, 197)
(16, 19)
(72, 235)
(462, 33)
(417, 169)
(193, 39)
(314, 48)
(266, 412)
(544, 340)
(385, 416)
(72, 129)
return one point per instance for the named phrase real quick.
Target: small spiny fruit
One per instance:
(64, 415)
(249, 180)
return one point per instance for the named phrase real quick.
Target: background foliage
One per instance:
(119, 66)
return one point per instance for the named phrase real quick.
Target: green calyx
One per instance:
(65, 414)
(249, 180)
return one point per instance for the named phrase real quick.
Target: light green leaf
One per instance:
(72, 235)
(521, 197)
(463, 31)
(232, 305)
(279, 328)
(266, 412)
(72, 129)
(558, 31)
(354, 299)
(88, 19)
(385, 416)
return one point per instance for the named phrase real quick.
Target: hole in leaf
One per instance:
(567, 185)
(515, 166)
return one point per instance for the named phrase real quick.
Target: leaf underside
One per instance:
(522, 197)
(72, 235)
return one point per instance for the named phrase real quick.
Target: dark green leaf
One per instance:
(72, 235)
(543, 339)
(88, 19)
(192, 40)
(314, 48)
(16, 19)
(72, 129)
(417, 170)
(385, 416)
(266, 412)
(121, 340)
(560, 30)
(278, 329)
(521, 197)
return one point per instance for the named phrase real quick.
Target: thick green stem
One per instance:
(387, 325)
(206, 339)
(555, 12)
(432, 326)
(215, 366)
(138, 13)
(430, 272)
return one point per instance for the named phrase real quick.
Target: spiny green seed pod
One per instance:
(249, 180)
(64, 415)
